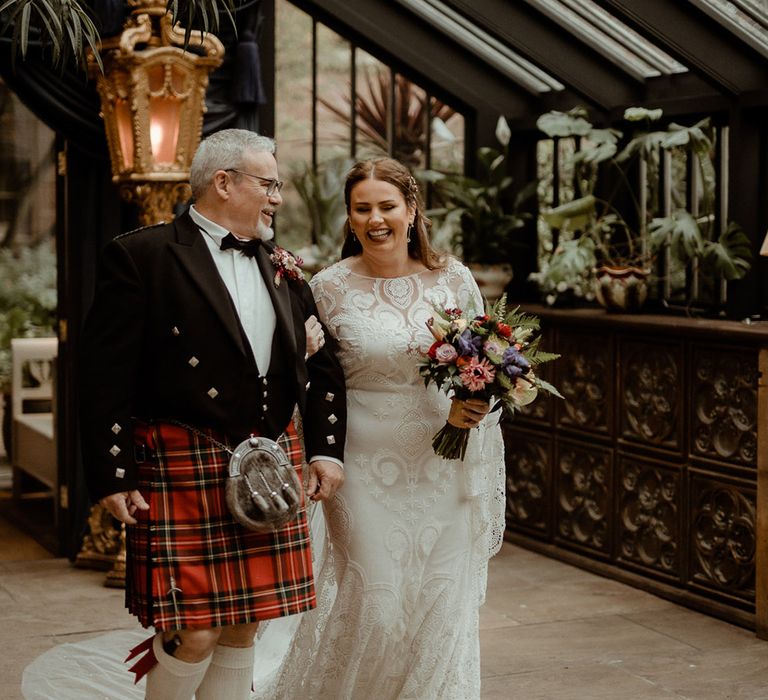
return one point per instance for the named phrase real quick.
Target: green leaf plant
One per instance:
(592, 231)
(66, 27)
(322, 194)
(483, 213)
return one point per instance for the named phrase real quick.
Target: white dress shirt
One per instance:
(245, 284)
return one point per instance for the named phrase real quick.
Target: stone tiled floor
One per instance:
(549, 632)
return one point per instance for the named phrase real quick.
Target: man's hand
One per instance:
(124, 504)
(469, 413)
(324, 479)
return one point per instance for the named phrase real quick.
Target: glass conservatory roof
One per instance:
(608, 36)
(485, 46)
(747, 19)
(606, 54)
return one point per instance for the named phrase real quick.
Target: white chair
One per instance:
(33, 400)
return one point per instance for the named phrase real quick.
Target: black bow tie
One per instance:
(247, 248)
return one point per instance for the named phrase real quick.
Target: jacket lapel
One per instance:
(281, 300)
(195, 258)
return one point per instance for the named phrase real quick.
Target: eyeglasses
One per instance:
(272, 184)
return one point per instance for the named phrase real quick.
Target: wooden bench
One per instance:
(33, 427)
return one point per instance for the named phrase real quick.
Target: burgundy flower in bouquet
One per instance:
(492, 357)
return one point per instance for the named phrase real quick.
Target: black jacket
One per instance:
(163, 341)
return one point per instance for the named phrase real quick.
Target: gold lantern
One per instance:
(152, 95)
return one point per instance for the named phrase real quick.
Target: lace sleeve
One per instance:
(468, 293)
(328, 288)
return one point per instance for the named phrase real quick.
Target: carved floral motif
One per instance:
(650, 385)
(723, 539)
(584, 502)
(585, 382)
(527, 482)
(724, 415)
(648, 517)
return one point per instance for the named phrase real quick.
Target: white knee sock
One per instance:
(229, 676)
(172, 678)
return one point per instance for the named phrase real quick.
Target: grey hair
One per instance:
(221, 151)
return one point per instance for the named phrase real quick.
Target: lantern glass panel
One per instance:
(164, 118)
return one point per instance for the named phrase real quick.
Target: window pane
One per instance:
(333, 93)
(27, 228)
(293, 117)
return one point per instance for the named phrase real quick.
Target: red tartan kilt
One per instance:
(222, 573)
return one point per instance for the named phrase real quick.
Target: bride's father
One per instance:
(196, 340)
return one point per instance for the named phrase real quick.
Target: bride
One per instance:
(410, 534)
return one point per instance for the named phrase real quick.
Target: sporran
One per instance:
(263, 491)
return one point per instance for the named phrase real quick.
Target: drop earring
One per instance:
(408, 233)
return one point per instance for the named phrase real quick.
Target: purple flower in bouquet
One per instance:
(513, 364)
(469, 344)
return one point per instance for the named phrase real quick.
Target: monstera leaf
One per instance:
(680, 231)
(730, 254)
(576, 214)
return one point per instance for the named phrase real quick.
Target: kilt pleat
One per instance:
(190, 564)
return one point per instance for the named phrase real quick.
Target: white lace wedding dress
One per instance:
(410, 534)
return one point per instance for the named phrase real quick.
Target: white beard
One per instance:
(264, 232)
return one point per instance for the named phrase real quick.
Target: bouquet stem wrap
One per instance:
(450, 442)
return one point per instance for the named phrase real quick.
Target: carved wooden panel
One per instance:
(649, 503)
(584, 376)
(528, 480)
(724, 405)
(723, 536)
(650, 396)
(648, 468)
(584, 502)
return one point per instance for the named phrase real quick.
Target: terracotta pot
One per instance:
(621, 288)
(491, 278)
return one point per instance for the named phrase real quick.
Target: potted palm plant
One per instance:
(482, 214)
(322, 193)
(599, 247)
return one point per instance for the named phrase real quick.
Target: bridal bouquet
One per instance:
(490, 357)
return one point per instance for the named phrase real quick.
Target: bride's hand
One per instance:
(315, 336)
(467, 413)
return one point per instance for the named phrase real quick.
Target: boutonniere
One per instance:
(286, 265)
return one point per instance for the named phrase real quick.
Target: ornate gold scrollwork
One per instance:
(102, 542)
